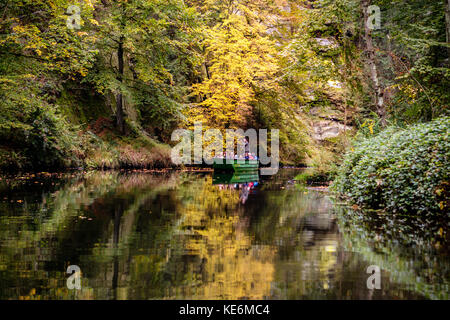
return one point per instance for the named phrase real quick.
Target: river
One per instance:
(185, 235)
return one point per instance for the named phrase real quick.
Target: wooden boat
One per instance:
(236, 165)
(237, 177)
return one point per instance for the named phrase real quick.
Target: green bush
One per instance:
(42, 137)
(399, 170)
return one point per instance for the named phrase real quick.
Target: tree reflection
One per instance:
(180, 235)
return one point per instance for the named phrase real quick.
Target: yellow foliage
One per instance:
(241, 58)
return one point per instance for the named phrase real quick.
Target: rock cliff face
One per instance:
(330, 117)
(328, 129)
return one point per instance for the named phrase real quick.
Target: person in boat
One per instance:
(248, 154)
(246, 145)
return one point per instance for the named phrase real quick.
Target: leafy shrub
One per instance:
(33, 130)
(43, 137)
(404, 171)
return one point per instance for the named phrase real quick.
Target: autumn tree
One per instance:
(146, 56)
(39, 53)
(239, 56)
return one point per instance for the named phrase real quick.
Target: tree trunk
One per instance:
(447, 24)
(371, 60)
(119, 99)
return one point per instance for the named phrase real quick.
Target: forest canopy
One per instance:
(101, 83)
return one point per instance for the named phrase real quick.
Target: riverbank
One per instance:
(97, 147)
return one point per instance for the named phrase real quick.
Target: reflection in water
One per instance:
(243, 181)
(197, 236)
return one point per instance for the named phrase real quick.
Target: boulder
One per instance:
(326, 129)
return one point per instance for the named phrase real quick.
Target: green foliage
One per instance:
(33, 128)
(259, 63)
(159, 40)
(415, 58)
(404, 171)
(38, 53)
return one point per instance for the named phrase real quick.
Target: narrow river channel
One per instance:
(180, 235)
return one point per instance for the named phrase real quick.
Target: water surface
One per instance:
(178, 235)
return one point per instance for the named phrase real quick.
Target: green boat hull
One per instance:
(236, 165)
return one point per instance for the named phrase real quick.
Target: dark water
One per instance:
(177, 235)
